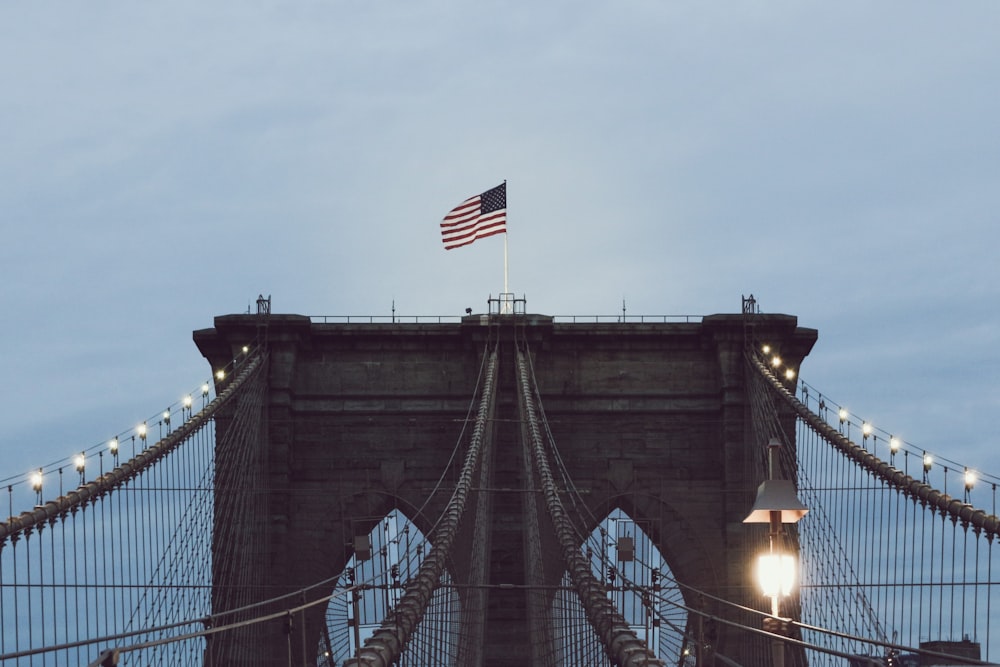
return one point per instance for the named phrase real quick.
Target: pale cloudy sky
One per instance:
(164, 163)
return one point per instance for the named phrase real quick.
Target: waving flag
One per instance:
(475, 218)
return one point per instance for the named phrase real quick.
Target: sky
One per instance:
(163, 164)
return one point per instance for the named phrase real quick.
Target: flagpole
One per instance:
(505, 290)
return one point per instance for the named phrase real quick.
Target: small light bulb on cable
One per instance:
(928, 461)
(766, 349)
(970, 479)
(776, 361)
(36, 481)
(220, 375)
(113, 445)
(842, 414)
(80, 462)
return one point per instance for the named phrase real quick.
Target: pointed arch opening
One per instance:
(372, 584)
(641, 586)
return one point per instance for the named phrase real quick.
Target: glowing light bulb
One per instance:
(866, 429)
(187, 401)
(842, 414)
(790, 374)
(894, 444)
(775, 361)
(220, 374)
(113, 445)
(970, 479)
(928, 460)
(246, 348)
(766, 349)
(166, 416)
(141, 430)
(204, 389)
(80, 462)
(36, 481)
(776, 573)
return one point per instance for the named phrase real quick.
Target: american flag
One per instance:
(475, 218)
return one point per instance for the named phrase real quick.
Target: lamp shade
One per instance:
(776, 495)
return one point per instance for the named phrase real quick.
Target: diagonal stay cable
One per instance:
(131, 468)
(386, 644)
(947, 505)
(624, 648)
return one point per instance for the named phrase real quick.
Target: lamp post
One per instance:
(776, 505)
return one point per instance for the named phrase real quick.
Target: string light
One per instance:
(970, 479)
(80, 463)
(141, 429)
(220, 375)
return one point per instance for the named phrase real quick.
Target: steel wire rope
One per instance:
(905, 446)
(152, 597)
(55, 586)
(190, 562)
(583, 513)
(93, 494)
(129, 470)
(628, 583)
(161, 630)
(386, 643)
(818, 629)
(759, 398)
(840, 560)
(929, 497)
(460, 438)
(576, 498)
(141, 606)
(579, 506)
(419, 511)
(539, 630)
(233, 521)
(894, 477)
(621, 643)
(989, 589)
(820, 611)
(568, 483)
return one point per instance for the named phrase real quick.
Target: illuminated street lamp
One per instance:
(776, 505)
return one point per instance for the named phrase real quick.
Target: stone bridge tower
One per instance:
(361, 418)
